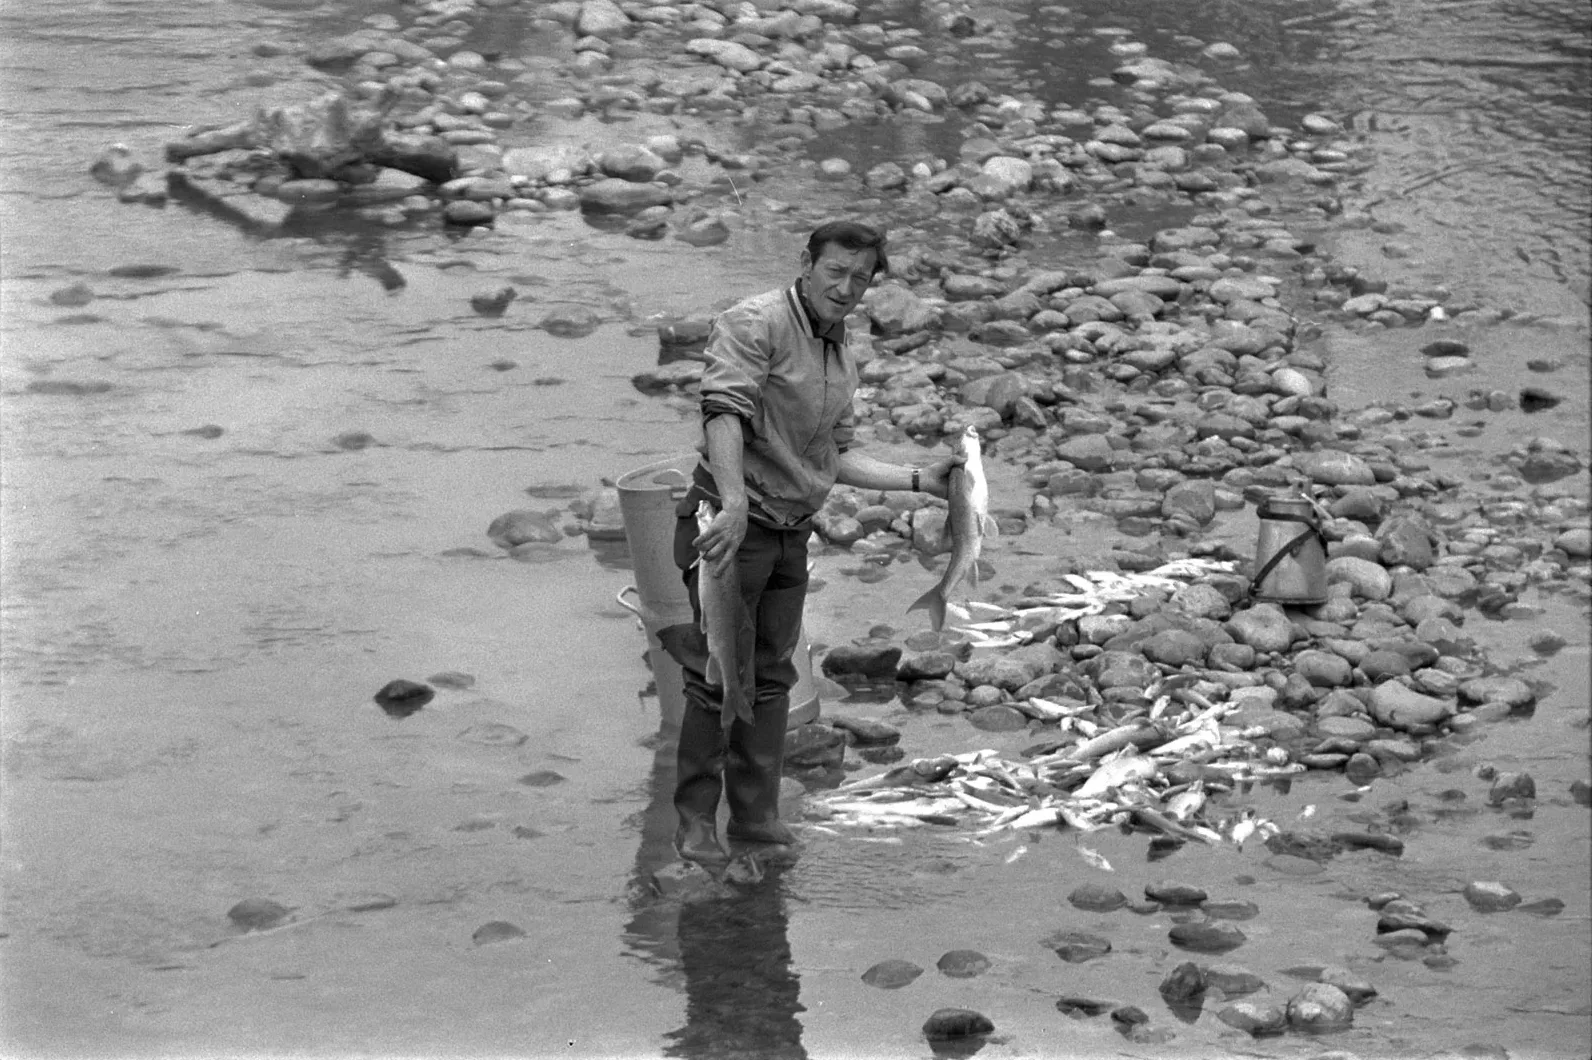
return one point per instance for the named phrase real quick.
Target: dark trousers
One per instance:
(773, 570)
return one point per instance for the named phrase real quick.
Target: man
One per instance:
(778, 428)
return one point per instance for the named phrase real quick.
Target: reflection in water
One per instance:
(726, 943)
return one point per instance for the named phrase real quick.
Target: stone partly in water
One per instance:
(1168, 893)
(257, 914)
(1232, 980)
(1320, 1007)
(1207, 937)
(892, 974)
(1096, 898)
(1084, 1007)
(1255, 1018)
(1490, 897)
(815, 747)
(948, 1024)
(1076, 947)
(402, 698)
(963, 964)
(496, 931)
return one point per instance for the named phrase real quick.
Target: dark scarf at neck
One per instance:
(832, 334)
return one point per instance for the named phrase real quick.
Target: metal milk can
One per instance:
(1290, 552)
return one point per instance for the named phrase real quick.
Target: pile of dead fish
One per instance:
(1154, 771)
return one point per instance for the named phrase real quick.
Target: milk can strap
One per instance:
(1290, 549)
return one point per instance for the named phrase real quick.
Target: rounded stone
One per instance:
(952, 1023)
(1076, 947)
(998, 718)
(892, 974)
(1320, 1007)
(496, 931)
(1207, 937)
(1490, 897)
(257, 914)
(1369, 579)
(963, 964)
(1168, 893)
(1323, 669)
(1097, 898)
(1362, 768)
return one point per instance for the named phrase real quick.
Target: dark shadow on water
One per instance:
(725, 944)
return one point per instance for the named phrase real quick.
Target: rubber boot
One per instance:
(700, 778)
(752, 774)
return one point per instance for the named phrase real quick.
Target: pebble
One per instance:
(1084, 1007)
(496, 931)
(1168, 893)
(1076, 947)
(963, 964)
(401, 698)
(1490, 897)
(1258, 1019)
(1230, 909)
(949, 1024)
(1320, 1007)
(1097, 898)
(1233, 980)
(892, 974)
(257, 914)
(1207, 937)
(864, 732)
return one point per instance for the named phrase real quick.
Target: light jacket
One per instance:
(792, 391)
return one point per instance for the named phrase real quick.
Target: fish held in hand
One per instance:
(968, 524)
(728, 629)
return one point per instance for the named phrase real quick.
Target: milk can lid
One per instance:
(1286, 503)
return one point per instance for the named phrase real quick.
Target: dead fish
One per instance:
(728, 629)
(1095, 858)
(1188, 802)
(968, 524)
(1115, 773)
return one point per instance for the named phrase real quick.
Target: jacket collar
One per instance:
(832, 334)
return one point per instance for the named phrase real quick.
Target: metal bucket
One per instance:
(1290, 552)
(647, 498)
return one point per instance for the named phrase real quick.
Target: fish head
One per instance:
(969, 442)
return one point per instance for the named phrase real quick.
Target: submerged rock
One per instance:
(963, 964)
(891, 974)
(257, 914)
(1076, 947)
(496, 931)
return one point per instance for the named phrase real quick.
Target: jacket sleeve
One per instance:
(738, 354)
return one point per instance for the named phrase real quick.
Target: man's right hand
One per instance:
(719, 543)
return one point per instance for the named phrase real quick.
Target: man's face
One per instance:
(837, 280)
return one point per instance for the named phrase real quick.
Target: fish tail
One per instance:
(735, 705)
(934, 602)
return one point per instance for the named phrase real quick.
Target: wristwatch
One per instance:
(916, 488)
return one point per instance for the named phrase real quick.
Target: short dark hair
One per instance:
(852, 235)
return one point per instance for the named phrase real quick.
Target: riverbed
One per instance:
(246, 483)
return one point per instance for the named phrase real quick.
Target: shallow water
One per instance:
(195, 623)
